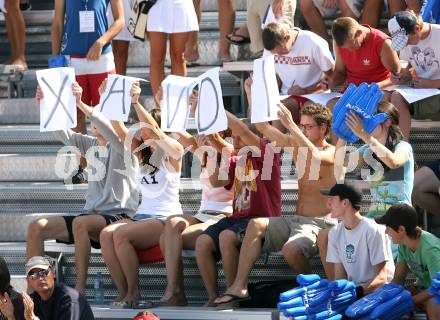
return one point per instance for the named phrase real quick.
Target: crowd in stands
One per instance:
(240, 217)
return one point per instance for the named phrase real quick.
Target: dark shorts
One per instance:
(236, 225)
(109, 219)
(435, 167)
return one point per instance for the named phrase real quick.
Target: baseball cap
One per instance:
(345, 191)
(37, 262)
(146, 315)
(400, 26)
(400, 214)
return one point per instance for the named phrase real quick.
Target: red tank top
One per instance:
(363, 64)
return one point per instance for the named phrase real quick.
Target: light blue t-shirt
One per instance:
(395, 185)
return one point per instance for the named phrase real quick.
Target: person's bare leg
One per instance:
(120, 52)
(192, 45)
(404, 113)
(322, 242)
(425, 192)
(128, 239)
(43, 229)
(177, 53)
(110, 258)
(371, 13)
(85, 228)
(226, 22)
(158, 44)
(16, 32)
(432, 309)
(172, 251)
(205, 249)
(346, 10)
(228, 248)
(294, 256)
(396, 5)
(249, 253)
(314, 19)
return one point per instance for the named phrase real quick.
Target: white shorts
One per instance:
(172, 16)
(124, 35)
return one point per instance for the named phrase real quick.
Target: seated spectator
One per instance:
(11, 302)
(256, 193)
(301, 60)
(418, 253)
(89, 49)
(158, 179)
(426, 192)
(16, 35)
(226, 21)
(295, 235)
(53, 300)
(108, 200)
(417, 42)
(357, 246)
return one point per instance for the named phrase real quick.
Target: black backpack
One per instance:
(266, 294)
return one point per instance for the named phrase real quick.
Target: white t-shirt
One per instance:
(425, 56)
(304, 65)
(360, 249)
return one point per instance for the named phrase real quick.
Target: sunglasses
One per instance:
(39, 274)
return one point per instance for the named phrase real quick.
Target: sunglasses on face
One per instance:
(38, 274)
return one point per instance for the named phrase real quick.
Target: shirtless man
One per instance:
(296, 235)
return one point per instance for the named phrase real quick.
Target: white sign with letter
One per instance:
(265, 95)
(115, 102)
(58, 107)
(174, 106)
(210, 113)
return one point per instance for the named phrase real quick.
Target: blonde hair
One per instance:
(274, 34)
(343, 29)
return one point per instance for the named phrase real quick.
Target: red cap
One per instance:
(146, 315)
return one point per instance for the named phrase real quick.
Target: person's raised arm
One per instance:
(118, 14)
(241, 129)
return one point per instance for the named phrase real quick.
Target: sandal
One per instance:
(241, 39)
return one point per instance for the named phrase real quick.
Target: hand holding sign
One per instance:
(265, 95)
(58, 105)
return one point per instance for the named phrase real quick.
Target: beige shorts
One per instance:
(209, 217)
(355, 6)
(302, 230)
(428, 108)
(256, 9)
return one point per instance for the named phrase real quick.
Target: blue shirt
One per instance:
(79, 43)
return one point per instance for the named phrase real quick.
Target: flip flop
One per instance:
(234, 302)
(242, 39)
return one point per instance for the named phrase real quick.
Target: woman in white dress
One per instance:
(176, 18)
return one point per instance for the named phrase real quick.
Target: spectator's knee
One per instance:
(204, 243)
(79, 227)
(227, 240)
(105, 237)
(36, 228)
(177, 56)
(396, 99)
(119, 238)
(322, 239)
(291, 251)
(256, 228)
(175, 224)
(12, 6)
(157, 60)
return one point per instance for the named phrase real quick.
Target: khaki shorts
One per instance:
(256, 9)
(355, 6)
(209, 217)
(302, 230)
(428, 108)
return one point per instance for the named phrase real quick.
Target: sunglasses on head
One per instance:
(39, 274)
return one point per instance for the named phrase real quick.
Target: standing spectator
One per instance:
(419, 253)
(226, 21)
(16, 34)
(418, 44)
(110, 197)
(11, 302)
(176, 18)
(80, 30)
(53, 301)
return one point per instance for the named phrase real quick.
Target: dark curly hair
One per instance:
(320, 113)
(5, 277)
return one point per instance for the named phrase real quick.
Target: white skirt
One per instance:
(123, 35)
(172, 16)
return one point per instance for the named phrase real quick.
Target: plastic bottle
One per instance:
(99, 289)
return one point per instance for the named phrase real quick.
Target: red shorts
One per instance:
(90, 84)
(300, 100)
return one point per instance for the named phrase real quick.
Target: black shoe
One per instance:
(79, 177)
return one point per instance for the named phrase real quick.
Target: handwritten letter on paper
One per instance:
(210, 112)
(265, 95)
(58, 107)
(174, 106)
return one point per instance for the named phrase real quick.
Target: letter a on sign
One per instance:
(265, 96)
(174, 106)
(210, 112)
(115, 102)
(58, 107)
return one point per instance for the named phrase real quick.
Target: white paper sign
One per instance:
(115, 102)
(210, 113)
(58, 107)
(413, 94)
(322, 97)
(174, 106)
(2, 6)
(265, 95)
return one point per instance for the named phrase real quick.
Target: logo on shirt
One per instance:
(425, 59)
(366, 62)
(299, 60)
(349, 253)
(243, 188)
